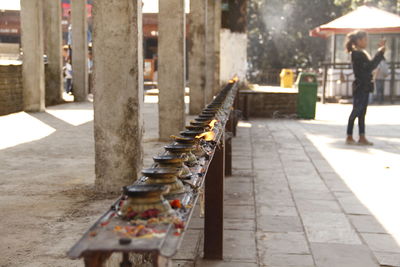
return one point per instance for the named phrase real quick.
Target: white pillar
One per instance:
(53, 43)
(79, 50)
(118, 82)
(210, 51)
(171, 67)
(197, 55)
(32, 47)
(217, 32)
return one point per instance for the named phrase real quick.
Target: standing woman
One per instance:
(363, 66)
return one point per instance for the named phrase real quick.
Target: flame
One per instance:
(234, 79)
(212, 124)
(208, 136)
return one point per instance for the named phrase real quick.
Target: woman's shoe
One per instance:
(364, 142)
(350, 140)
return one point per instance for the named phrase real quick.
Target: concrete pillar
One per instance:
(32, 46)
(197, 55)
(53, 43)
(217, 33)
(171, 67)
(79, 50)
(233, 59)
(118, 82)
(210, 54)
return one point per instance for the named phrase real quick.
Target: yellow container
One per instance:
(287, 78)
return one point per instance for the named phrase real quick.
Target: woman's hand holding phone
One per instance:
(382, 45)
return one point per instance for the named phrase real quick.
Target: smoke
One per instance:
(275, 16)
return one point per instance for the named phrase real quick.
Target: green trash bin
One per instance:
(307, 98)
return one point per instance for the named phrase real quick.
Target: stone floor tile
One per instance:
(179, 263)
(241, 163)
(316, 185)
(239, 212)
(323, 165)
(239, 224)
(282, 243)
(190, 245)
(351, 204)
(312, 205)
(236, 179)
(312, 194)
(287, 260)
(339, 255)
(381, 243)
(273, 193)
(271, 180)
(239, 245)
(238, 193)
(367, 224)
(337, 185)
(329, 228)
(236, 169)
(238, 186)
(274, 201)
(215, 263)
(248, 174)
(238, 198)
(388, 259)
(278, 224)
(274, 210)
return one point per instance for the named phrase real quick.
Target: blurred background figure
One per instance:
(381, 72)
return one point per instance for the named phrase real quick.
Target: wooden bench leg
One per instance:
(96, 259)
(214, 203)
(228, 145)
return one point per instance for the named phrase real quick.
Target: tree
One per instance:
(388, 5)
(278, 33)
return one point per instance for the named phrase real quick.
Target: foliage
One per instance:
(388, 5)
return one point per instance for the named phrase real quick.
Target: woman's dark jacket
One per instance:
(362, 68)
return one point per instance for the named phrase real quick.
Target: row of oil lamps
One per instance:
(169, 169)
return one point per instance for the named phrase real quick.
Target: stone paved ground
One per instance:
(298, 196)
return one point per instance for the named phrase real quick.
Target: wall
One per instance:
(11, 99)
(269, 105)
(233, 55)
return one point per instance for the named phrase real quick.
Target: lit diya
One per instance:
(165, 176)
(192, 133)
(208, 116)
(209, 112)
(208, 135)
(185, 150)
(174, 161)
(196, 127)
(199, 123)
(184, 140)
(205, 120)
(144, 197)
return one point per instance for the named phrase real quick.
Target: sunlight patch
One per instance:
(74, 117)
(22, 128)
(244, 124)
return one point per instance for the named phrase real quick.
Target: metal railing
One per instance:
(345, 66)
